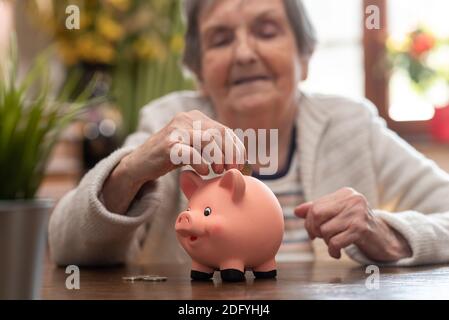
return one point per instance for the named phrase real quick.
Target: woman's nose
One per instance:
(245, 51)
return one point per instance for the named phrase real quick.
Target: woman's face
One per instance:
(250, 62)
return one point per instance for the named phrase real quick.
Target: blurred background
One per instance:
(132, 48)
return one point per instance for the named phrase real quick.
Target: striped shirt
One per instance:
(286, 185)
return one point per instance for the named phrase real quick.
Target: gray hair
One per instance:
(300, 23)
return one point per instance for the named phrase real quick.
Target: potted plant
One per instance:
(423, 57)
(31, 120)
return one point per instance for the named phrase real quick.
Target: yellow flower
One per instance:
(67, 53)
(109, 29)
(177, 43)
(85, 20)
(105, 53)
(150, 48)
(91, 48)
(121, 5)
(85, 46)
(142, 48)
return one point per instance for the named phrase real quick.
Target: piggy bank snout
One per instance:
(184, 219)
(186, 225)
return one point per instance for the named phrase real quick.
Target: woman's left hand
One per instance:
(344, 218)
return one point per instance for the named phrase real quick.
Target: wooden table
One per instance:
(314, 280)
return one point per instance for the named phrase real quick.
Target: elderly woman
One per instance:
(350, 180)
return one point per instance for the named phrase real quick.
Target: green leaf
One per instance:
(31, 122)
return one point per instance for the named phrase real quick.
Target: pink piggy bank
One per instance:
(233, 223)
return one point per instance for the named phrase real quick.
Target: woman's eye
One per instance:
(220, 39)
(188, 209)
(207, 211)
(267, 30)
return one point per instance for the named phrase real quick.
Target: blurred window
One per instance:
(337, 65)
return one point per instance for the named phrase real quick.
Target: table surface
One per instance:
(302, 280)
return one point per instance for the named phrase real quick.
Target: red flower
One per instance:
(421, 43)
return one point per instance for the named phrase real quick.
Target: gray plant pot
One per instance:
(23, 231)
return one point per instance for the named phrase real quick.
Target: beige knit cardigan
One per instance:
(341, 143)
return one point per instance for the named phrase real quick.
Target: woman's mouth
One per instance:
(193, 238)
(249, 79)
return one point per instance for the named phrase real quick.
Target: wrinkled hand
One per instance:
(344, 218)
(153, 159)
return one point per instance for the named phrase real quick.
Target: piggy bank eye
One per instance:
(207, 211)
(188, 209)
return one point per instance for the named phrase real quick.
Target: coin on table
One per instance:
(154, 278)
(247, 169)
(132, 278)
(151, 277)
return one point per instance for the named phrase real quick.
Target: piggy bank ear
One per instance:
(233, 181)
(190, 182)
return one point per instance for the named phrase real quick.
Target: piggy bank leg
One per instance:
(266, 270)
(200, 272)
(232, 271)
